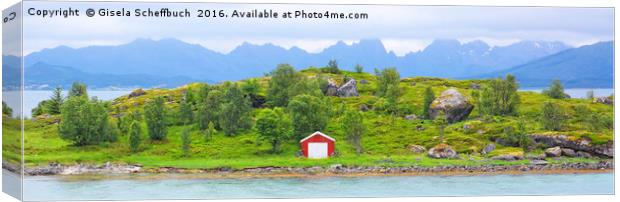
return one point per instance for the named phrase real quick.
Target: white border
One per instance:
(564, 3)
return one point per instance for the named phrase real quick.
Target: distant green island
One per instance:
(377, 119)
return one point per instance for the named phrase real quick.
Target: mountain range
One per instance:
(172, 62)
(587, 66)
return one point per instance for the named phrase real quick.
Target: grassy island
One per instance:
(394, 119)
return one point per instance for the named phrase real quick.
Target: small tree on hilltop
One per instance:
(135, 132)
(78, 89)
(274, 126)
(353, 126)
(553, 116)
(429, 97)
(55, 102)
(359, 68)
(332, 67)
(155, 114)
(556, 90)
(386, 78)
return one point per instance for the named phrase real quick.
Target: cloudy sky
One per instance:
(402, 28)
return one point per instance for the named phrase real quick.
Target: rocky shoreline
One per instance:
(536, 166)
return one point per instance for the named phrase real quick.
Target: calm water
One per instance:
(63, 188)
(33, 97)
(579, 92)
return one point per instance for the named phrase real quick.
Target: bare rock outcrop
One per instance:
(580, 144)
(455, 106)
(349, 89)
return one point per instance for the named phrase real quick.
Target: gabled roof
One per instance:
(318, 133)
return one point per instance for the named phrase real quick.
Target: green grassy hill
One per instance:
(385, 140)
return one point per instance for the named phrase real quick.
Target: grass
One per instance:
(385, 141)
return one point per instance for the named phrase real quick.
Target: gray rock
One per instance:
(299, 153)
(349, 89)
(137, 93)
(364, 107)
(568, 152)
(411, 117)
(442, 151)
(489, 148)
(539, 162)
(475, 86)
(416, 149)
(553, 152)
(507, 157)
(332, 88)
(455, 106)
(537, 157)
(604, 100)
(583, 154)
(581, 144)
(364, 81)
(419, 127)
(335, 167)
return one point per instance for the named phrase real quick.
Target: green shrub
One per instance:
(553, 117)
(135, 139)
(155, 114)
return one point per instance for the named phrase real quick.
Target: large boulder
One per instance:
(568, 152)
(349, 89)
(553, 152)
(137, 93)
(455, 106)
(604, 100)
(488, 149)
(332, 88)
(442, 151)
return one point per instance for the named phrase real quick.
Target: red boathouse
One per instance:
(318, 146)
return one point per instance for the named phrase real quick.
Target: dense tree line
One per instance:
(85, 121)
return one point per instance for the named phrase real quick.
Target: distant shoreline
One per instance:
(336, 170)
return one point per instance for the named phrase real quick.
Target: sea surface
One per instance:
(579, 92)
(69, 188)
(33, 97)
